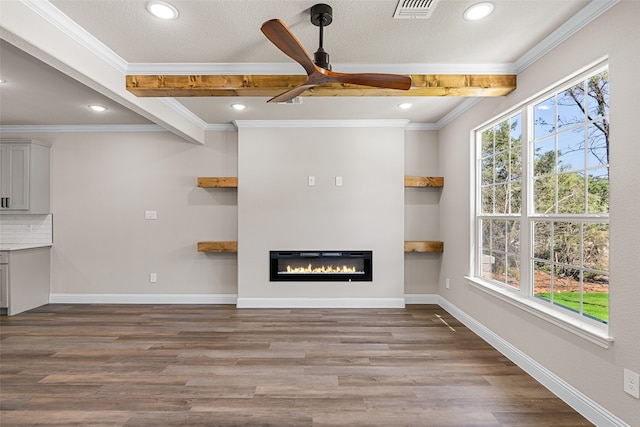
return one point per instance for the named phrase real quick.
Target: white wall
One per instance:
(278, 210)
(102, 183)
(594, 371)
(422, 212)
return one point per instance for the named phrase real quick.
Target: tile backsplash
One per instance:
(26, 228)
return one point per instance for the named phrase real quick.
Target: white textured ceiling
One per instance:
(221, 34)
(37, 94)
(363, 31)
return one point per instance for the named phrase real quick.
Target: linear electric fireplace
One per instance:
(321, 266)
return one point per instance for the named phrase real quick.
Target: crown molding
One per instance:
(217, 127)
(448, 118)
(422, 126)
(457, 111)
(79, 128)
(184, 112)
(62, 22)
(574, 24)
(209, 127)
(172, 69)
(319, 123)
(196, 68)
(221, 127)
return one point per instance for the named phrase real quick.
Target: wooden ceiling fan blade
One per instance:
(280, 35)
(291, 93)
(386, 81)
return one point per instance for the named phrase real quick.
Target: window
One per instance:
(542, 204)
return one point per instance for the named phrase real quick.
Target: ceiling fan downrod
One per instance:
(321, 16)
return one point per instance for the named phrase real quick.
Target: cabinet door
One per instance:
(14, 176)
(4, 284)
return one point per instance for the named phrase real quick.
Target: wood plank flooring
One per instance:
(203, 365)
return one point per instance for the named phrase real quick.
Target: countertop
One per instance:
(21, 246)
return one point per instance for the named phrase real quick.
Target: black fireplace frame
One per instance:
(365, 256)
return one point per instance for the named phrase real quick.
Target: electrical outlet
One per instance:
(153, 277)
(446, 283)
(631, 383)
(150, 214)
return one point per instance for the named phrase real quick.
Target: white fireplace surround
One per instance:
(279, 209)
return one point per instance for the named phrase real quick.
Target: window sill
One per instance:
(582, 329)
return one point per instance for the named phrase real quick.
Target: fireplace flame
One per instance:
(322, 269)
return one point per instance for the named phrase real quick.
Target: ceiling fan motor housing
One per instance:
(321, 16)
(321, 58)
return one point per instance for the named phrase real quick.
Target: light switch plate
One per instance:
(338, 181)
(150, 214)
(312, 180)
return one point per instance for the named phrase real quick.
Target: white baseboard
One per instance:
(243, 302)
(574, 398)
(227, 299)
(143, 298)
(421, 299)
(320, 303)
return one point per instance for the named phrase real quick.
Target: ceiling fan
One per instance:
(318, 69)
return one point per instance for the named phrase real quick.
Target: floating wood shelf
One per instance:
(217, 246)
(424, 181)
(409, 181)
(423, 246)
(218, 182)
(409, 246)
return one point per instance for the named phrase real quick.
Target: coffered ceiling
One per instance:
(59, 56)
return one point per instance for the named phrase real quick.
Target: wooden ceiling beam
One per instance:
(270, 85)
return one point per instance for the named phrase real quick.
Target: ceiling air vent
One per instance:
(412, 9)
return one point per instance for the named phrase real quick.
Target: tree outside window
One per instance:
(566, 216)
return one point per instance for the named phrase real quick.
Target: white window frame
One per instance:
(522, 297)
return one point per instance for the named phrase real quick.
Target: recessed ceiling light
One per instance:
(405, 105)
(162, 10)
(98, 108)
(478, 11)
(238, 107)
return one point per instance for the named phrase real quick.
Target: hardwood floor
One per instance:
(165, 365)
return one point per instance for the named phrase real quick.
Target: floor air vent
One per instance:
(412, 9)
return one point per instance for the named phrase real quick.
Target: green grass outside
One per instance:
(595, 304)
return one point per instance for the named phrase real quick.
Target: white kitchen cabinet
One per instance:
(4, 280)
(24, 177)
(25, 279)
